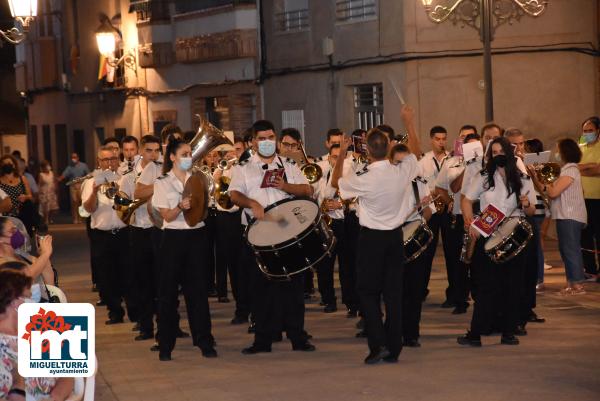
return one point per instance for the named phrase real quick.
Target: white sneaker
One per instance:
(547, 266)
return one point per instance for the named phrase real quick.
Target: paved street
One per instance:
(558, 360)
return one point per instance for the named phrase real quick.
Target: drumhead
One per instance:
(508, 226)
(283, 221)
(409, 228)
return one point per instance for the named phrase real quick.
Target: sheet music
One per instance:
(472, 149)
(536, 158)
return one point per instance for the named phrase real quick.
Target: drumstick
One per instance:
(398, 93)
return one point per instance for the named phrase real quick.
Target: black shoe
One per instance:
(182, 334)
(305, 346)
(321, 303)
(277, 337)
(351, 313)
(468, 339)
(253, 349)
(144, 336)
(252, 328)
(330, 308)
(114, 320)
(533, 318)
(164, 357)
(223, 300)
(377, 356)
(360, 324)
(411, 342)
(509, 340)
(136, 327)
(155, 348)
(100, 303)
(239, 320)
(391, 359)
(209, 352)
(212, 293)
(361, 334)
(447, 304)
(520, 331)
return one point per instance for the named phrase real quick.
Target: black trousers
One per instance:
(439, 223)
(211, 234)
(114, 274)
(461, 283)
(183, 262)
(590, 237)
(380, 262)
(325, 269)
(145, 264)
(93, 268)
(415, 283)
(350, 296)
(497, 299)
(228, 245)
(530, 275)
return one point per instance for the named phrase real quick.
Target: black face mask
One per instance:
(500, 160)
(7, 168)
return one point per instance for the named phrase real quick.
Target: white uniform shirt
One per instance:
(128, 181)
(150, 173)
(411, 203)
(324, 189)
(431, 167)
(472, 168)
(453, 168)
(381, 189)
(168, 191)
(235, 208)
(104, 217)
(498, 195)
(247, 177)
(124, 166)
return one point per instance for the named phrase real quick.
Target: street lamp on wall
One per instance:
(485, 16)
(107, 37)
(23, 11)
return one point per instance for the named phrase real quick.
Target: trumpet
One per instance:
(226, 164)
(311, 171)
(79, 179)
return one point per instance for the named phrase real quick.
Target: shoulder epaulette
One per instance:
(473, 160)
(128, 172)
(364, 170)
(158, 163)
(243, 162)
(289, 160)
(419, 178)
(319, 159)
(163, 176)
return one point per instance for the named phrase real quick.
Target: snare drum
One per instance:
(509, 239)
(417, 236)
(292, 238)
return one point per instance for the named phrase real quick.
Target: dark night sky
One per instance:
(7, 51)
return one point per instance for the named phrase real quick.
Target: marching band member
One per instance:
(504, 186)
(183, 253)
(415, 271)
(109, 240)
(450, 172)
(380, 252)
(140, 235)
(270, 300)
(131, 158)
(431, 164)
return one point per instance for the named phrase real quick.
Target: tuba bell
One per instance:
(125, 207)
(547, 173)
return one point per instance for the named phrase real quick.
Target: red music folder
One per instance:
(490, 218)
(270, 176)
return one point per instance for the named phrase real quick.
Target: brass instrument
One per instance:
(79, 179)
(311, 171)
(402, 138)
(547, 173)
(109, 189)
(125, 207)
(222, 184)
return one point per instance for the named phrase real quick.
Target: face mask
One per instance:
(36, 294)
(557, 157)
(589, 137)
(7, 168)
(185, 163)
(17, 240)
(500, 160)
(266, 148)
(74, 161)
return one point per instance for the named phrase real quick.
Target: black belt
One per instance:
(113, 231)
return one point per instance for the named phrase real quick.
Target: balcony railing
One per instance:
(238, 43)
(186, 6)
(355, 10)
(289, 21)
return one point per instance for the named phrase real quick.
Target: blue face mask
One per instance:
(185, 163)
(589, 137)
(266, 148)
(36, 293)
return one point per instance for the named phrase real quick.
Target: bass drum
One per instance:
(292, 238)
(509, 239)
(417, 236)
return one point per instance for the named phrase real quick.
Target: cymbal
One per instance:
(197, 188)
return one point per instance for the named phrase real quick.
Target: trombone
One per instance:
(311, 171)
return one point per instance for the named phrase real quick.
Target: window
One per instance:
(355, 10)
(368, 105)
(293, 119)
(47, 142)
(294, 16)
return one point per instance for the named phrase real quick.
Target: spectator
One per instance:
(568, 209)
(47, 196)
(75, 169)
(17, 188)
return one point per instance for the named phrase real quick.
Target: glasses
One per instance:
(109, 159)
(291, 146)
